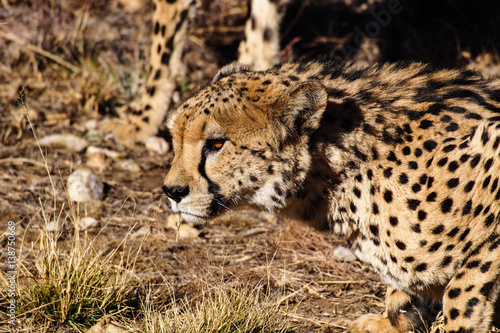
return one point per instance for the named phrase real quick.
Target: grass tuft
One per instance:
(75, 288)
(219, 310)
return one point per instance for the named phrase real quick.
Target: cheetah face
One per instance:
(233, 147)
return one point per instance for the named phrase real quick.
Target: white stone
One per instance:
(129, 165)
(344, 254)
(90, 124)
(53, 226)
(173, 220)
(157, 145)
(84, 186)
(182, 228)
(67, 141)
(114, 155)
(187, 231)
(87, 222)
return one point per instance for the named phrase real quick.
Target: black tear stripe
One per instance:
(218, 202)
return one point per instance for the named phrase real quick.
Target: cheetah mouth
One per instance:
(193, 218)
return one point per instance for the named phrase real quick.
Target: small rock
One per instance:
(344, 254)
(84, 186)
(142, 232)
(128, 165)
(67, 141)
(97, 161)
(106, 326)
(173, 220)
(157, 145)
(87, 222)
(187, 231)
(114, 155)
(183, 229)
(132, 5)
(53, 226)
(90, 124)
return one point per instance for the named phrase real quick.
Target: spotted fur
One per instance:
(403, 160)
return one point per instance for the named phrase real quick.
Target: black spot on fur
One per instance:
(400, 245)
(446, 261)
(413, 204)
(453, 183)
(467, 207)
(430, 145)
(438, 230)
(431, 197)
(388, 196)
(393, 221)
(420, 268)
(434, 247)
(446, 205)
(403, 178)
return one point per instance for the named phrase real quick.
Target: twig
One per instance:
(34, 48)
(16, 160)
(295, 19)
(314, 321)
(339, 282)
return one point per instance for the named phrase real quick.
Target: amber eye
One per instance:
(214, 144)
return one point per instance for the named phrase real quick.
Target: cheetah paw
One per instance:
(126, 133)
(372, 323)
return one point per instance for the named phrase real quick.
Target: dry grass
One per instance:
(219, 309)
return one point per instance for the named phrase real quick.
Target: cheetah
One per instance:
(401, 160)
(171, 22)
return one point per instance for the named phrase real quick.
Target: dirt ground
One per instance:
(96, 64)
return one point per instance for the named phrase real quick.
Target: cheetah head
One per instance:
(242, 141)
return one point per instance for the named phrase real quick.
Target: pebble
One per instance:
(106, 326)
(90, 124)
(87, 222)
(114, 155)
(185, 230)
(157, 145)
(128, 165)
(188, 231)
(101, 158)
(344, 254)
(53, 226)
(84, 186)
(70, 142)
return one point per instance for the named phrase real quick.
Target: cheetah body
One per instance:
(402, 160)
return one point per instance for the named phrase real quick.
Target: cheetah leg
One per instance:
(469, 299)
(404, 313)
(261, 47)
(171, 21)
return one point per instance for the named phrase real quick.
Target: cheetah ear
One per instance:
(230, 69)
(302, 106)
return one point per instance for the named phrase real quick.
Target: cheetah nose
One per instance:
(176, 193)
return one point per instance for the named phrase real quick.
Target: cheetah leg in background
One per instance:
(404, 313)
(171, 21)
(261, 47)
(469, 299)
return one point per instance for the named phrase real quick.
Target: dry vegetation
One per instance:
(65, 62)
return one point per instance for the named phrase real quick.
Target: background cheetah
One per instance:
(172, 20)
(401, 160)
